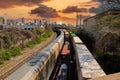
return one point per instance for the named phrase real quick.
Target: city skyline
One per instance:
(55, 10)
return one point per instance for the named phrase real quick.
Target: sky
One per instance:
(56, 10)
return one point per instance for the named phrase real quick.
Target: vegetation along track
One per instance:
(32, 52)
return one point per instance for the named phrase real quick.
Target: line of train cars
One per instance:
(87, 66)
(65, 58)
(41, 65)
(65, 53)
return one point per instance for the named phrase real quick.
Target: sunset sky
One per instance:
(56, 10)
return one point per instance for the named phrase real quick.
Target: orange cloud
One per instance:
(72, 9)
(13, 3)
(45, 12)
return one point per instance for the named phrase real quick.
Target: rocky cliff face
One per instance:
(103, 39)
(14, 36)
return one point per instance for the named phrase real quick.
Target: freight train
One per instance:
(41, 65)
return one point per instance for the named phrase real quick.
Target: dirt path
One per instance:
(11, 65)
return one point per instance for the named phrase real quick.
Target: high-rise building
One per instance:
(2, 21)
(77, 20)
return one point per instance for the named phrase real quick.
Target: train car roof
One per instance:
(77, 40)
(27, 71)
(66, 32)
(89, 66)
(73, 35)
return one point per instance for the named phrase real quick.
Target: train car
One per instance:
(87, 66)
(60, 39)
(65, 53)
(77, 40)
(62, 75)
(66, 49)
(66, 35)
(41, 65)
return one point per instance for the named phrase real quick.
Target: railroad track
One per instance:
(24, 60)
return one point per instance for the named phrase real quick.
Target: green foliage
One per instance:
(38, 40)
(15, 50)
(8, 53)
(115, 22)
(109, 20)
(39, 31)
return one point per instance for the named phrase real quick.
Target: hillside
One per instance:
(14, 37)
(14, 40)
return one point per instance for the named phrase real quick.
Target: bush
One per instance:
(40, 39)
(1, 61)
(8, 53)
(15, 50)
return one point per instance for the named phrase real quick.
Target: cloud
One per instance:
(71, 9)
(97, 1)
(93, 10)
(45, 12)
(12, 3)
(104, 6)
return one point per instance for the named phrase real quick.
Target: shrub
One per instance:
(15, 50)
(7, 54)
(38, 40)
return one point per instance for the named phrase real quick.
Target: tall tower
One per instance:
(80, 17)
(23, 20)
(77, 20)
